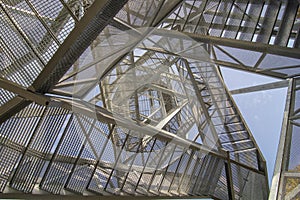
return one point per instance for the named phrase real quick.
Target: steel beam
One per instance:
(263, 87)
(95, 111)
(222, 63)
(85, 31)
(249, 69)
(153, 22)
(104, 115)
(239, 44)
(12, 107)
(23, 92)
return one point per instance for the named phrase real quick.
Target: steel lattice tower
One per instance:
(126, 98)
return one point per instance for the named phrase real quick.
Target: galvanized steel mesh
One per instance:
(178, 132)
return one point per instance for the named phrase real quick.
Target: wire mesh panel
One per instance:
(134, 176)
(251, 188)
(150, 166)
(139, 13)
(88, 159)
(126, 165)
(220, 18)
(221, 190)
(15, 136)
(175, 171)
(260, 21)
(56, 18)
(120, 167)
(40, 144)
(64, 157)
(291, 188)
(186, 180)
(5, 96)
(179, 172)
(109, 180)
(158, 174)
(33, 31)
(20, 64)
(235, 19)
(99, 180)
(250, 22)
(170, 171)
(153, 145)
(190, 185)
(209, 175)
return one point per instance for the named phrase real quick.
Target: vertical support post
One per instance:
(283, 147)
(230, 187)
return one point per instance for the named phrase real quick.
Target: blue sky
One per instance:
(263, 111)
